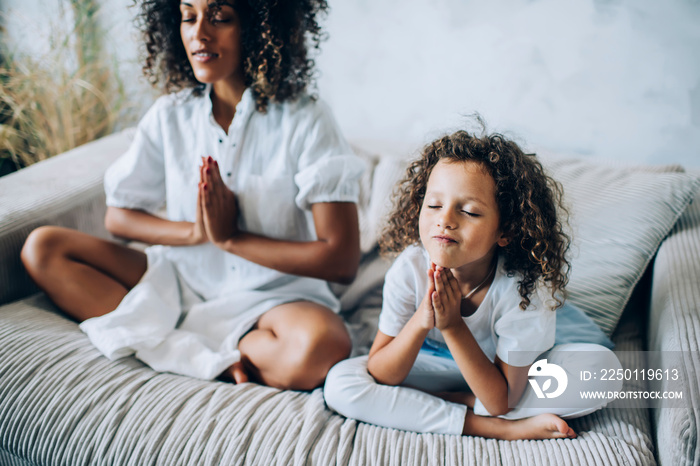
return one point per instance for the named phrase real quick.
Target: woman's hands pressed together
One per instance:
(217, 211)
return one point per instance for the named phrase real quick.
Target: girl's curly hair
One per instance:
(274, 45)
(528, 202)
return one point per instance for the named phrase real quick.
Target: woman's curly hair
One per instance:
(529, 204)
(274, 46)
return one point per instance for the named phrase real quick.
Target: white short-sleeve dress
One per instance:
(194, 303)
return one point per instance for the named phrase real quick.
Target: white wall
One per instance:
(612, 78)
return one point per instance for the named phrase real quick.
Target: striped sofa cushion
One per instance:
(618, 216)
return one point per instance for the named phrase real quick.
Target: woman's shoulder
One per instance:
(176, 101)
(171, 109)
(304, 108)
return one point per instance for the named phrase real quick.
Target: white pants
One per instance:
(351, 391)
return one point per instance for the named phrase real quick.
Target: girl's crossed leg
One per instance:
(351, 391)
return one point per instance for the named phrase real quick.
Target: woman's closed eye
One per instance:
(219, 18)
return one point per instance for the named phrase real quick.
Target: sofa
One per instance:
(635, 271)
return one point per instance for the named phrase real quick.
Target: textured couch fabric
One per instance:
(61, 402)
(674, 325)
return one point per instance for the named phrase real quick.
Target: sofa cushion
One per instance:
(62, 402)
(619, 217)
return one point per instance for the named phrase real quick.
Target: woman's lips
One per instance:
(204, 56)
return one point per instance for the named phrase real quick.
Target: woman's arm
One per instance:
(489, 381)
(141, 226)
(333, 256)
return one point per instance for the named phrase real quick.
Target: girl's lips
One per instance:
(444, 239)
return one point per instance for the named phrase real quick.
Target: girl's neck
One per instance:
(225, 96)
(476, 275)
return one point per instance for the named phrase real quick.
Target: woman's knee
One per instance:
(315, 353)
(309, 340)
(41, 248)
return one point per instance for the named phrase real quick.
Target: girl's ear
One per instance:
(504, 240)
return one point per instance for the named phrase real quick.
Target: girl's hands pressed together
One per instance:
(218, 204)
(426, 313)
(446, 299)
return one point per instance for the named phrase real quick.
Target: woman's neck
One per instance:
(225, 96)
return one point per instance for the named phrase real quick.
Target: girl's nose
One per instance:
(446, 219)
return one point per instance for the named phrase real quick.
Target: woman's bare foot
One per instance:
(543, 426)
(235, 374)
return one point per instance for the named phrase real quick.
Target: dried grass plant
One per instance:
(65, 98)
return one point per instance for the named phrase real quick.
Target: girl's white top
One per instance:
(499, 325)
(195, 302)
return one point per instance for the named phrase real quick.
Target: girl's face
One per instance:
(459, 219)
(211, 34)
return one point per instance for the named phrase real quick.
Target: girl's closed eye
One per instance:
(471, 214)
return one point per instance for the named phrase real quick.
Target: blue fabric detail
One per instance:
(434, 348)
(574, 326)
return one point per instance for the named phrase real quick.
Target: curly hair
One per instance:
(274, 45)
(529, 202)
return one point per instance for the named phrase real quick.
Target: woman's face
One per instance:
(211, 34)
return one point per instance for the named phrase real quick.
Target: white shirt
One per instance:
(278, 163)
(194, 303)
(499, 325)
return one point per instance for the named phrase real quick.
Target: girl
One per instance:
(260, 189)
(469, 303)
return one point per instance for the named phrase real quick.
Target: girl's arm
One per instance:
(391, 358)
(488, 381)
(333, 256)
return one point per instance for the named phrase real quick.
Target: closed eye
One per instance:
(471, 214)
(434, 207)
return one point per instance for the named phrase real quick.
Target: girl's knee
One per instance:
(345, 382)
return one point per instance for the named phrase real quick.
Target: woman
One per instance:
(260, 189)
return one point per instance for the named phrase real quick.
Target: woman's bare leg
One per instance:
(83, 275)
(293, 346)
(542, 426)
